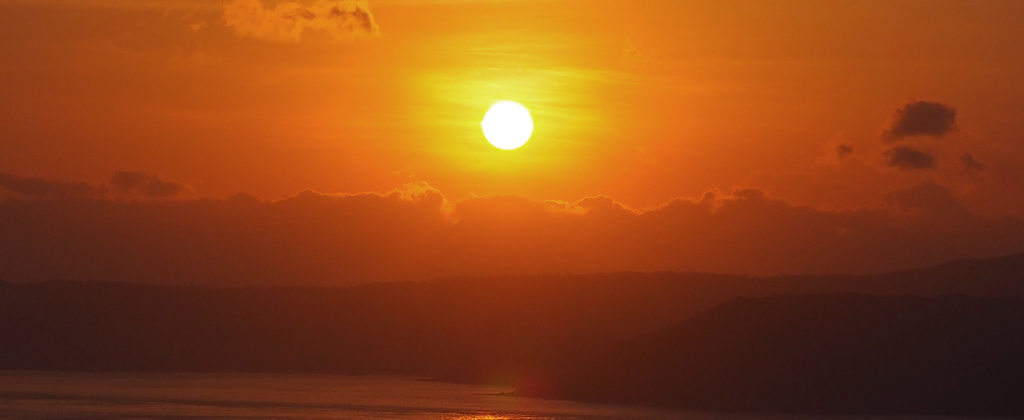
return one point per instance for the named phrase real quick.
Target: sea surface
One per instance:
(75, 395)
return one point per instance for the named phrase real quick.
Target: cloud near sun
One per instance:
(288, 21)
(415, 232)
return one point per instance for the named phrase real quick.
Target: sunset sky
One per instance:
(840, 106)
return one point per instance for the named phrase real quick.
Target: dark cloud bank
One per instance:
(123, 184)
(54, 230)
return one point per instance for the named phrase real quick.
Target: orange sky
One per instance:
(642, 101)
(839, 136)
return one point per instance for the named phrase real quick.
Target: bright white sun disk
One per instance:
(507, 125)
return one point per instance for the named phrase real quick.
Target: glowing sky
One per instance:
(642, 101)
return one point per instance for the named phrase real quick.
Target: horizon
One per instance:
(548, 275)
(661, 209)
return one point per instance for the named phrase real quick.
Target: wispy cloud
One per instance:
(289, 21)
(130, 185)
(908, 158)
(971, 165)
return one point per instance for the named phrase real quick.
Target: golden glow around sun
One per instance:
(507, 125)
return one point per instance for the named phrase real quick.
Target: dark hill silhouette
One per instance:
(461, 329)
(818, 353)
(505, 329)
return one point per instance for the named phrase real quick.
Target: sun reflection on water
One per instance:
(497, 417)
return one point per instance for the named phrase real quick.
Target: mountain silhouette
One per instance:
(545, 332)
(819, 354)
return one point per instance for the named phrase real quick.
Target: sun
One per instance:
(507, 125)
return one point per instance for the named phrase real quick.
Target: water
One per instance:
(73, 395)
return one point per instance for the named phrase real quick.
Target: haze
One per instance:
(742, 137)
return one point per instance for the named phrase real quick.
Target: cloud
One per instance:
(414, 232)
(929, 199)
(601, 204)
(972, 166)
(288, 21)
(123, 184)
(39, 187)
(921, 118)
(748, 194)
(835, 151)
(145, 185)
(908, 158)
(843, 150)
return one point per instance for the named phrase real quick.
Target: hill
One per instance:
(818, 354)
(512, 330)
